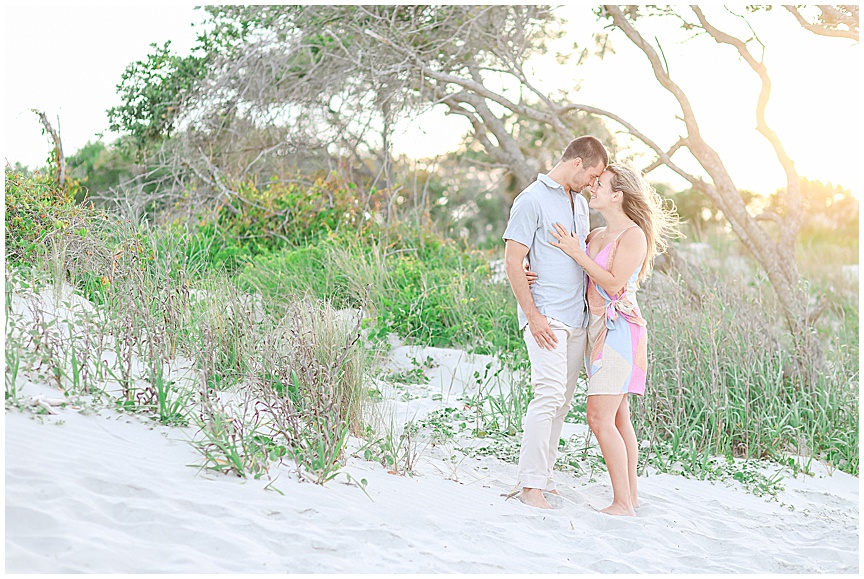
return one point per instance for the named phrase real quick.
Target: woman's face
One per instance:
(601, 191)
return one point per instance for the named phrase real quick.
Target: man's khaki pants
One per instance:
(553, 377)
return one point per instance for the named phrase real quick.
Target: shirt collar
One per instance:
(551, 183)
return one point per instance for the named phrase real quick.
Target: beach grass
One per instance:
(282, 345)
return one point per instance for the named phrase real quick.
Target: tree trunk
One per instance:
(777, 257)
(58, 148)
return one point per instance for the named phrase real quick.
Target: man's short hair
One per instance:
(587, 148)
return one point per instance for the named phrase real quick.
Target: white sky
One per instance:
(67, 61)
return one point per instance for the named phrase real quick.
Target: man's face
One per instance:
(586, 176)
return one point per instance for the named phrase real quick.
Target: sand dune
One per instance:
(108, 493)
(90, 490)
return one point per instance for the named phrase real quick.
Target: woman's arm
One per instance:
(629, 256)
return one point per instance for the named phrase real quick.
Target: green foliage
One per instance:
(439, 295)
(37, 211)
(232, 444)
(444, 298)
(398, 451)
(152, 93)
(279, 214)
(167, 401)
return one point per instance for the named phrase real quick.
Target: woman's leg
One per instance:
(602, 409)
(625, 427)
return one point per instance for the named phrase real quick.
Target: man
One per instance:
(552, 312)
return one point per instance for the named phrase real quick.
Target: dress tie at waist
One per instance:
(625, 307)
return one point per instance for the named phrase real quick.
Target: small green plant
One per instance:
(321, 455)
(13, 364)
(413, 376)
(231, 442)
(397, 451)
(445, 423)
(169, 403)
(416, 374)
(691, 462)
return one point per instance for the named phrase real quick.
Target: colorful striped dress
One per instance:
(617, 336)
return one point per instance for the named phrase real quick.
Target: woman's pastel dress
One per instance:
(617, 336)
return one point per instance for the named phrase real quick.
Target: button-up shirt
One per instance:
(559, 291)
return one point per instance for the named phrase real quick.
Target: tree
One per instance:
(308, 78)
(99, 168)
(152, 92)
(775, 253)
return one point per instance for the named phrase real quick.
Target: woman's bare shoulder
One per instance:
(633, 237)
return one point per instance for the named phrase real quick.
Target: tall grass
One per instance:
(281, 379)
(720, 383)
(300, 393)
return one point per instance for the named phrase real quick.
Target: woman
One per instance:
(619, 256)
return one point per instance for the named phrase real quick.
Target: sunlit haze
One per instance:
(67, 61)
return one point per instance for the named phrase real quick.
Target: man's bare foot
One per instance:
(534, 498)
(619, 510)
(555, 492)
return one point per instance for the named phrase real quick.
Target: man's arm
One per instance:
(514, 253)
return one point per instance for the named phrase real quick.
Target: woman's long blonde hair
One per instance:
(645, 207)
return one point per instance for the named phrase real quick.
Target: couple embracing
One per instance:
(577, 306)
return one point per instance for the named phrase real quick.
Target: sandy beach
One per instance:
(96, 491)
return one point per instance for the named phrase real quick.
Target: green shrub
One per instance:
(439, 295)
(280, 214)
(36, 211)
(293, 270)
(447, 300)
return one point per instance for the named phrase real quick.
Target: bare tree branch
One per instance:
(776, 258)
(830, 18)
(58, 146)
(793, 192)
(664, 159)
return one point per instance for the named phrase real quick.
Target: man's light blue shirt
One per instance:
(559, 291)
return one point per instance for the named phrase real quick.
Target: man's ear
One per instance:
(577, 162)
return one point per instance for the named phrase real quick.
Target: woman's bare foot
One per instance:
(634, 502)
(619, 510)
(534, 498)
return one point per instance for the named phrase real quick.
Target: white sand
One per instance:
(103, 492)
(107, 493)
